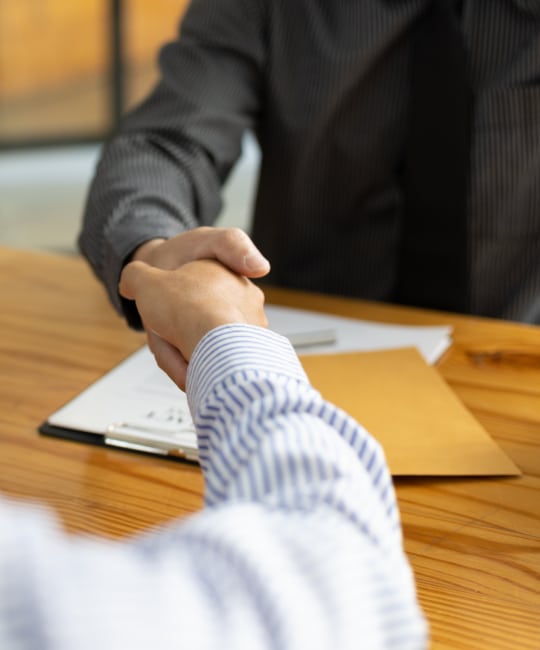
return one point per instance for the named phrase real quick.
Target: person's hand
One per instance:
(178, 307)
(230, 246)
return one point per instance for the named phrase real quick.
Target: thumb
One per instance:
(235, 250)
(255, 265)
(132, 274)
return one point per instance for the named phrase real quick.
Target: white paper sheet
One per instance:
(137, 406)
(354, 335)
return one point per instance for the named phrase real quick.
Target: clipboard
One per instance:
(134, 406)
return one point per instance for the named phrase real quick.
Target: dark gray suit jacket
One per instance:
(324, 85)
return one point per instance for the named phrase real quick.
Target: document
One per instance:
(393, 392)
(353, 335)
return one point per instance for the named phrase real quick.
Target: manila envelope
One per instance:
(407, 406)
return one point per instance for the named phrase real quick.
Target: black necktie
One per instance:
(433, 266)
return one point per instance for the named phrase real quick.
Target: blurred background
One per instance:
(68, 71)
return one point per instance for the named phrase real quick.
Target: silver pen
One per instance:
(180, 443)
(314, 337)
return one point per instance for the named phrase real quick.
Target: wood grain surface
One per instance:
(474, 544)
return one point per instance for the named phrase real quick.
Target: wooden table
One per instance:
(474, 543)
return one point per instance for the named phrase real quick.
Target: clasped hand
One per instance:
(190, 284)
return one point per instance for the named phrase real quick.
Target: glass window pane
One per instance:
(54, 69)
(147, 25)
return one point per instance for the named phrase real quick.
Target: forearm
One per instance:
(163, 173)
(324, 546)
(289, 447)
(141, 192)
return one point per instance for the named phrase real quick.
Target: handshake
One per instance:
(188, 285)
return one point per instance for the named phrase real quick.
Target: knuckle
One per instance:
(234, 237)
(202, 230)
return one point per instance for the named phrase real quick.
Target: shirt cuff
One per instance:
(123, 237)
(235, 348)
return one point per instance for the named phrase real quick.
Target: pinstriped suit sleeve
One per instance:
(162, 174)
(299, 545)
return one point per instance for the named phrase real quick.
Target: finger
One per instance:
(169, 359)
(234, 248)
(130, 277)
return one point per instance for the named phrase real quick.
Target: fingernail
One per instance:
(256, 262)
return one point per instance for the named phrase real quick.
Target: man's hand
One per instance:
(230, 246)
(178, 307)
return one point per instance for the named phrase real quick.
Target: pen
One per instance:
(315, 337)
(151, 440)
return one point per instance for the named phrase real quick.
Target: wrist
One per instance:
(203, 322)
(240, 348)
(143, 253)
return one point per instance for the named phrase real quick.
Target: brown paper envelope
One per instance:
(406, 405)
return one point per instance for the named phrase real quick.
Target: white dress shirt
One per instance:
(299, 544)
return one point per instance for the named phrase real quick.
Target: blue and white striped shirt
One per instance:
(299, 545)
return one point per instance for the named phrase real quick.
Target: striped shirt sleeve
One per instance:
(298, 546)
